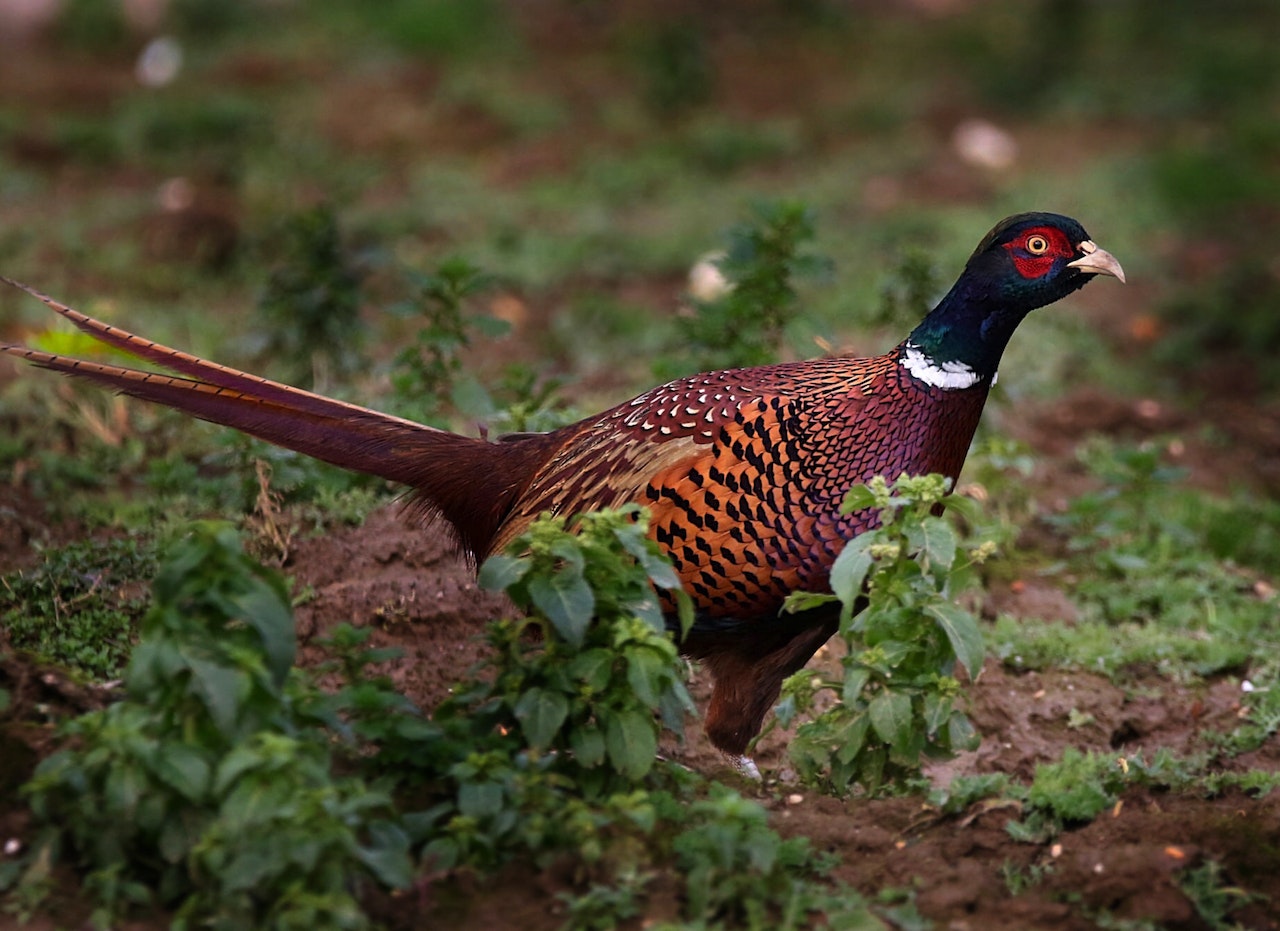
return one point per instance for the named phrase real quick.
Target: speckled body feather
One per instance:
(744, 471)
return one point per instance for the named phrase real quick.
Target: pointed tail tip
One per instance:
(15, 283)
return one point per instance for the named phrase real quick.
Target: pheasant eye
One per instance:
(1037, 245)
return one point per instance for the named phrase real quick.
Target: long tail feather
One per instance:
(462, 479)
(200, 369)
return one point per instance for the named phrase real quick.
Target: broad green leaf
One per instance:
(785, 710)
(262, 607)
(387, 854)
(673, 705)
(1126, 562)
(890, 714)
(893, 653)
(242, 759)
(480, 799)
(853, 738)
(647, 609)
(962, 631)
(592, 668)
(247, 869)
(854, 681)
(806, 601)
(124, 786)
(859, 498)
(684, 611)
(631, 742)
(656, 566)
(567, 601)
(498, 573)
(183, 769)
(961, 732)
(569, 549)
(219, 688)
(936, 540)
(541, 712)
(937, 713)
(646, 671)
(177, 835)
(849, 571)
(587, 743)
(965, 506)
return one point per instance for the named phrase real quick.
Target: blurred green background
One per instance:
(269, 182)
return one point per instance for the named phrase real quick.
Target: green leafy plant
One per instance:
(910, 291)
(79, 607)
(566, 717)
(1148, 556)
(426, 375)
(895, 702)
(677, 67)
(209, 789)
(1215, 901)
(745, 324)
(524, 402)
(1018, 879)
(1261, 703)
(736, 867)
(311, 305)
(1078, 787)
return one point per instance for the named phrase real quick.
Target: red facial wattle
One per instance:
(1035, 263)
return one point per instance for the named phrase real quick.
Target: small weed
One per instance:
(440, 27)
(910, 292)
(523, 402)
(426, 374)
(965, 791)
(80, 606)
(1261, 702)
(719, 146)
(730, 858)
(311, 305)
(676, 64)
(566, 721)
(211, 134)
(1080, 786)
(1018, 879)
(1147, 556)
(204, 790)
(745, 325)
(896, 700)
(1214, 900)
(604, 907)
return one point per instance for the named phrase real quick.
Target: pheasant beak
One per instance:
(1097, 261)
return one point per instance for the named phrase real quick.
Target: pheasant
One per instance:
(743, 470)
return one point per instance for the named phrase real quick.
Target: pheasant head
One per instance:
(1027, 261)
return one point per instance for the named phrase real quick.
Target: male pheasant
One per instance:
(743, 470)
